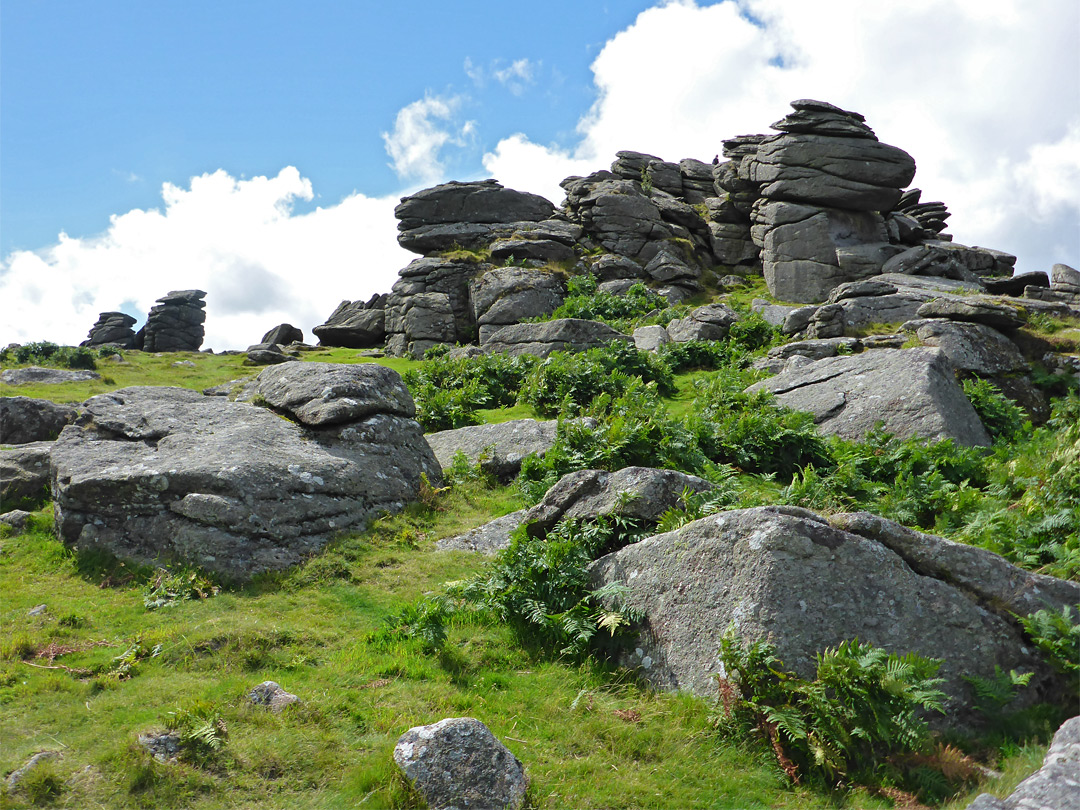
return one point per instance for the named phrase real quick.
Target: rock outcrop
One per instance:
(498, 448)
(786, 574)
(24, 475)
(175, 324)
(36, 375)
(154, 474)
(113, 329)
(355, 324)
(561, 335)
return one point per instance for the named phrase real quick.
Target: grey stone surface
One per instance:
(541, 339)
(112, 328)
(269, 694)
(355, 324)
(972, 347)
(16, 777)
(17, 519)
(1014, 285)
(861, 289)
(508, 295)
(710, 322)
(498, 448)
(616, 214)
(45, 376)
(913, 392)
(816, 349)
(643, 493)
(650, 338)
(438, 290)
(973, 309)
(25, 470)
(175, 324)
(158, 474)
(774, 314)
(541, 250)
(23, 419)
(266, 354)
(458, 763)
(283, 334)
(1065, 279)
(320, 394)
(1055, 786)
(488, 539)
(164, 746)
(784, 573)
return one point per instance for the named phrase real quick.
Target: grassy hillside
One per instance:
(101, 664)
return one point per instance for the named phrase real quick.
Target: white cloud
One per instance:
(985, 96)
(517, 76)
(421, 130)
(239, 240)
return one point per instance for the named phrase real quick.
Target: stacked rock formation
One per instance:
(355, 324)
(175, 324)
(114, 329)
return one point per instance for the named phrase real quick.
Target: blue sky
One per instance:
(256, 149)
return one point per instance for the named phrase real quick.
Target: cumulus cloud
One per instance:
(421, 130)
(982, 94)
(518, 75)
(239, 240)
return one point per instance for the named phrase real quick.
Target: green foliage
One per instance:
(169, 587)
(845, 727)
(992, 695)
(425, 620)
(1057, 635)
(703, 354)
(202, 730)
(448, 391)
(750, 432)
(586, 301)
(42, 785)
(633, 429)
(1003, 419)
(566, 383)
(44, 353)
(540, 586)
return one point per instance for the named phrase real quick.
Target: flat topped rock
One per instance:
(975, 310)
(482, 201)
(542, 339)
(45, 376)
(328, 393)
(498, 448)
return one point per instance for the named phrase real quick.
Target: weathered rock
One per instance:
(16, 777)
(157, 474)
(283, 334)
(476, 203)
(17, 519)
(1055, 786)
(1014, 285)
(642, 493)
(355, 324)
(774, 314)
(852, 173)
(894, 341)
(616, 214)
(609, 267)
(710, 322)
(269, 694)
(816, 349)
(861, 289)
(972, 347)
(321, 394)
(913, 392)
(670, 264)
(975, 310)
(488, 539)
(37, 375)
(112, 328)
(785, 574)
(438, 291)
(509, 295)
(266, 354)
(176, 323)
(164, 746)
(822, 118)
(1065, 279)
(826, 322)
(498, 448)
(23, 419)
(541, 339)
(458, 763)
(650, 338)
(540, 250)
(24, 474)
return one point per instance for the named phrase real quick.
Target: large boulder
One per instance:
(430, 304)
(786, 574)
(541, 339)
(498, 448)
(996, 314)
(490, 538)
(971, 347)
(23, 419)
(354, 324)
(912, 392)
(710, 322)
(509, 295)
(283, 334)
(156, 474)
(1055, 786)
(114, 329)
(37, 375)
(24, 474)
(458, 763)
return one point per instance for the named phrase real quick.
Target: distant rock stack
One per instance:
(176, 323)
(355, 324)
(114, 329)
